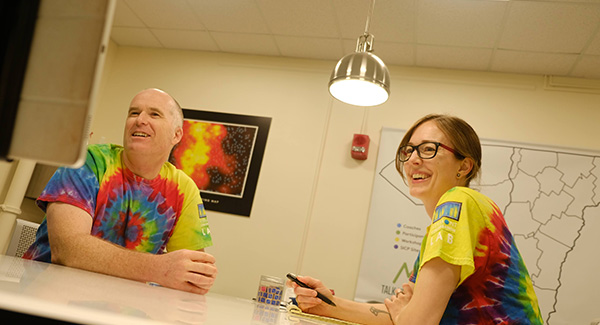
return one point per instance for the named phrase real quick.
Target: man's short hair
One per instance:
(177, 114)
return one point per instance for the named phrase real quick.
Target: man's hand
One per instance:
(187, 270)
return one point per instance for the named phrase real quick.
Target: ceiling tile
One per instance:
(390, 53)
(549, 26)
(594, 46)
(174, 14)
(587, 67)
(310, 47)
(533, 63)
(134, 37)
(349, 46)
(185, 39)
(459, 22)
(125, 17)
(351, 16)
(309, 18)
(395, 53)
(242, 16)
(453, 57)
(566, 1)
(392, 20)
(246, 43)
(519, 36)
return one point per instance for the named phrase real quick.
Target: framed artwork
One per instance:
(223, 153)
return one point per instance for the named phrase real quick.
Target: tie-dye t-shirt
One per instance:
(469, 230)
(154, 216)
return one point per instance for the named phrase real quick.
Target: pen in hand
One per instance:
(304, 285)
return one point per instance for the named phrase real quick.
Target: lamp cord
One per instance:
(364, 121)
(369, 16)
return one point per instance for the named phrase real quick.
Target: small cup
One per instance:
(270, 290)
(266, 314)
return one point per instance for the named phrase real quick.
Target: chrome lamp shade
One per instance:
(361, 79)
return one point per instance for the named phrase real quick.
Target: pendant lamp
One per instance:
(361, 78)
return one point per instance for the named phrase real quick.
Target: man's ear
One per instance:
(178, 135)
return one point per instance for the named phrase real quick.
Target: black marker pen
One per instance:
(304, 285)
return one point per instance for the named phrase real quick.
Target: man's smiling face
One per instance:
(150, 125)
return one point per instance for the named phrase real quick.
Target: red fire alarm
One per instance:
(360, 146)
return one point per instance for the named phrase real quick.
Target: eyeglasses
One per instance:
(425, 150)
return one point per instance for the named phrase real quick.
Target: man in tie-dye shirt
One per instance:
(127, 212)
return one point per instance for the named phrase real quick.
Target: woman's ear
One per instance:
(466, 165)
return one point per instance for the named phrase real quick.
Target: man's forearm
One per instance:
(94, 254)
(72, 245)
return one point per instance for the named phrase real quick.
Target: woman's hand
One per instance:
(307, 298)
(395, 304)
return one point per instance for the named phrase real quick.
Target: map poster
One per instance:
(550, 199)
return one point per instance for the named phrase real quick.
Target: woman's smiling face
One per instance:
(429, 179)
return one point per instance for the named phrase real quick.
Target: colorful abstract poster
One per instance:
(223, 153)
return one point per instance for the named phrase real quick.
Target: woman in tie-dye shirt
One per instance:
(469, 262)
(469, 270)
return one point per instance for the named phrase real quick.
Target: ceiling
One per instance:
(542, 37)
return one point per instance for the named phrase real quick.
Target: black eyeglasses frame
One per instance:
(416, 148)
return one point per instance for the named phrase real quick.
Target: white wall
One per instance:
(312, 199)
(289, 91)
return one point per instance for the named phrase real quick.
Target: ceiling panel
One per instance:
(453, 57)
(186, 39)
(313, 18)
(390, 53)
(310, 47)
(131, 36)
(593, 47)
(172, 14)
(125, 17)
(394, 21)
(587, 67)
(533, 63)
(241, 16)
(351, 17)
(258, 44)
(550, 26)
(547, 37)
(460, 22)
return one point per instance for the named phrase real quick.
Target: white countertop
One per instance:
(78, 296)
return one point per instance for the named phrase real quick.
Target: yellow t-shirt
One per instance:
(468, 229)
